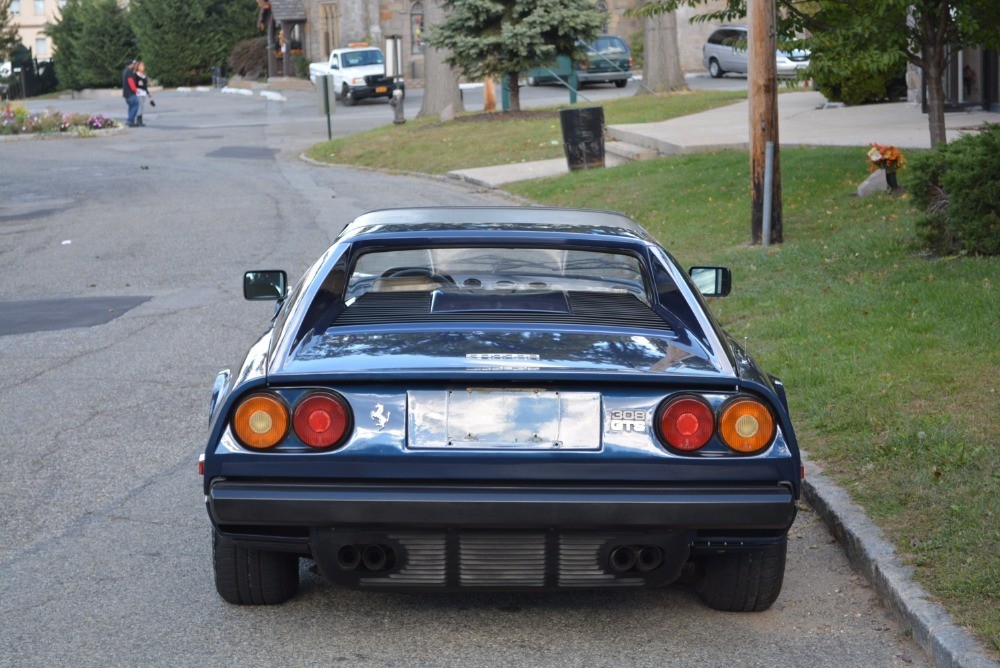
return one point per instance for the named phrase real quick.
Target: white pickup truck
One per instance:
(358, 72)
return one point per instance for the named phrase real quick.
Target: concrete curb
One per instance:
(947, 644)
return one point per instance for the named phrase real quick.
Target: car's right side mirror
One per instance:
(712, 281)
(264, 285)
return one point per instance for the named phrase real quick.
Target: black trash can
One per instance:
(583, 137)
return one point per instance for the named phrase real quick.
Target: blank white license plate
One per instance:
(484, 419)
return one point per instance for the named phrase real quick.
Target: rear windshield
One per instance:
(503, 270)
(609, 46)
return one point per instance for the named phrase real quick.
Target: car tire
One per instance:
(714, 69)
(345, 95)
(621, 83)
(747, 581)
(253, 577)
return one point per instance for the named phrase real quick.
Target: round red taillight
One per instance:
(321, 420)
(686, 423)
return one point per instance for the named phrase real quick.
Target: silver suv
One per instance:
(726, 51)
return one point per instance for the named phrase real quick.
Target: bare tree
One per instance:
(661, 71)
(440, 80)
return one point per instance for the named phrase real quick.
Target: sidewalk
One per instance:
(804, 119)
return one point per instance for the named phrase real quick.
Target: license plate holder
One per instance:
(486, 419)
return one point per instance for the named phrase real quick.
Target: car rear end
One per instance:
(608, 60)
(501, 417)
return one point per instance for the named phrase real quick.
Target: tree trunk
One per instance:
(515, 91)
(762, 93)
(933, 57)
(662, 69)
(440, 80)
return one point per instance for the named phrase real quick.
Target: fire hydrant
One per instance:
(397, 107)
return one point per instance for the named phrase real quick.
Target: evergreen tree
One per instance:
(92, 41)
(104, 45)
(8, 31)
(181, 40)
(64, 33)
(507, 37)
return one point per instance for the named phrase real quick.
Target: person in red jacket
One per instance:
(130, 90)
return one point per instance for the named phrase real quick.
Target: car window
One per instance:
(609, 45)
(505, 270)
(717, 37)
(360, 58)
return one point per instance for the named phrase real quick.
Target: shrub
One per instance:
(958, 185)
(249, 58)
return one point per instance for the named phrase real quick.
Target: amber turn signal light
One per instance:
(261, 421)
(746, 425)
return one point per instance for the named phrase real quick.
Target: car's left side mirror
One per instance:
(265, 285)
(712, 281)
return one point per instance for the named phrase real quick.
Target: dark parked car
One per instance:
(499, 398)
(608, 60)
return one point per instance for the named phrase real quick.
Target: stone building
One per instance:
(319, 26)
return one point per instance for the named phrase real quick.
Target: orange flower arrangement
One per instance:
(885, 157)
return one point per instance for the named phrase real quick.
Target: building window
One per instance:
(39, 7)
(417, 28)
(41, 47)
(15, 6)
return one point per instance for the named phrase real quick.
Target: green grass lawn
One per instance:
(482, 140)
(890, 357)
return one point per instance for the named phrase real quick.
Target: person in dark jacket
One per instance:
(130, 91)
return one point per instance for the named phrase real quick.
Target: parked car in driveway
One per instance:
(608, 60)
(725, 50)
(494, 399)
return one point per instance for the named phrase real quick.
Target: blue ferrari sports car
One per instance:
(514, 398)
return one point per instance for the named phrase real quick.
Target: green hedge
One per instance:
(958, 186)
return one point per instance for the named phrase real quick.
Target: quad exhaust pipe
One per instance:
(643, 558)
(372, 558)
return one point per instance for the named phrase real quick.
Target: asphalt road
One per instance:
(105, 556)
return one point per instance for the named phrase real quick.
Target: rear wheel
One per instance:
(621, 83)
(253, 577)
(714, 69)
(747, 581)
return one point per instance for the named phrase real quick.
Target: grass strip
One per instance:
(482, 140)
(890, 357)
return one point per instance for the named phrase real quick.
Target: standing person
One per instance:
(142, 81)
(130, 92)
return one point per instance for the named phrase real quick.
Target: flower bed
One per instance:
(17, 120)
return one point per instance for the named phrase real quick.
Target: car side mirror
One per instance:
(265, 285)
(712, 281)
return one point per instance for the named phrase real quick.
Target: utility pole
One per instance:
(762, 81)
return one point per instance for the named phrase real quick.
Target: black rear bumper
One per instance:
(720, 510)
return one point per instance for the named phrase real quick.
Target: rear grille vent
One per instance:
(502, 560)
(587, 308)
